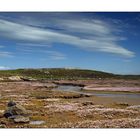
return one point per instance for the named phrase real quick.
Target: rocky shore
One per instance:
(36, 105)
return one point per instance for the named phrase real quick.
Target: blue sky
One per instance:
(97, 40)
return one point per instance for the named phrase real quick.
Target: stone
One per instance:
(27, 79)
(21, 119)
(11, 103)
(14, 78)
(7, 114)
(16, 112)
(87, 103)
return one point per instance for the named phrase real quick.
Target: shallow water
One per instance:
(69, 88)
(37, 122)
(78, 90)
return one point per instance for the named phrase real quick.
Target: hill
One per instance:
(62, 73)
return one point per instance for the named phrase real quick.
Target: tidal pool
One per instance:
(37, 122)
(77, 89)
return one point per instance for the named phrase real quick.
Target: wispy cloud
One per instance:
(55, 55)
(95, 35)
(5, 54)
(34, 45)
(1, 46)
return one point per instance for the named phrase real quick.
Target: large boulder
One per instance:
(16, 112)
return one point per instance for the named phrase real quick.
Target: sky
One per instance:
(104, 41)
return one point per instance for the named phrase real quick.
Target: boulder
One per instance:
(16, 112)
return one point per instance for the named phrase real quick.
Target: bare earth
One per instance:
(59, 109)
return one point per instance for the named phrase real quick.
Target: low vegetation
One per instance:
(56, 73)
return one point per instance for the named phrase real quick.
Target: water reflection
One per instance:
(78, 90)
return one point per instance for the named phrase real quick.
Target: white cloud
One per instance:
(93, 35)
(4, 68)
(93, 27)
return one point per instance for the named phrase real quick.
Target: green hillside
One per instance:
(61, 73)
(55, 73)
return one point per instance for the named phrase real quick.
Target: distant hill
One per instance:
(62, 73)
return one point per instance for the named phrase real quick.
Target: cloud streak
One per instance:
(55, 55)
(95, 35)
(5, 54)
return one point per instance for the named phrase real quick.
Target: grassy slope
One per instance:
(60, 73)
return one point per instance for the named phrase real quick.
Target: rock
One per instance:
(7, 114)
(27, 79)
(21, 119)
(122, 104)
(87, 103)
(14, 78)
(16, 112)
(11, 103)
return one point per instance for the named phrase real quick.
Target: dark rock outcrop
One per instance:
(11, 103)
